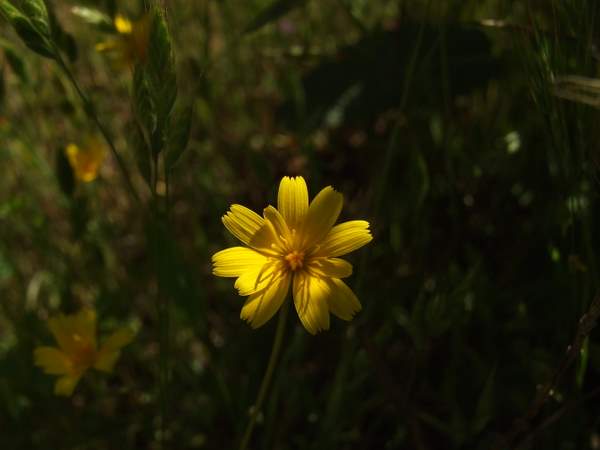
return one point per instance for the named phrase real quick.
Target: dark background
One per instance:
(439, 123)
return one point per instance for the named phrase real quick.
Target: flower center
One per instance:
(295, 259)
(84, 356)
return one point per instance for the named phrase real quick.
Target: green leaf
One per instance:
(271, 13)
(161, 67)
(94, 17)
(35, 39)
(32, 38)
(154, 84)
(9, 11)
(143, 101)
(178, 135)
(37, 13)
(15, 62)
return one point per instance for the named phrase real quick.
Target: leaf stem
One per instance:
(264, 386)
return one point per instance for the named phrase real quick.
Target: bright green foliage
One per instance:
(36, 12)
(94, 17)
(32, 26)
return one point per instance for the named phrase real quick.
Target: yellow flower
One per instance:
(86, 161)
(295, 245)
(131, 44)
(77, 349)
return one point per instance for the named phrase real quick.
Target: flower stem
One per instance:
(264, 386)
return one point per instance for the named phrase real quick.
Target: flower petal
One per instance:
(84, 327)
(292, 200)
(345, 238)
(234, 261)
(52, 360)
(119, 339)
(86, 161)
(280, 227)
(258, 278)
(242, 222)
(260, 307)
(330, 267)
(310, 299)
(106, 360)
(72, 332)
(65, 385)
(321, 215)
(122, 24)
(108, 45)
(265, 240)
(111, 349)
(61, 329)
(342, 301)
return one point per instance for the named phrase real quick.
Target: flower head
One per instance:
(86, 161)
(131, 43)
(77, 349)
(294, 245)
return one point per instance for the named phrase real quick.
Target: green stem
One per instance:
(162, 356)
(264, 386)
(160, 371)
(165, 316)
(90, 111)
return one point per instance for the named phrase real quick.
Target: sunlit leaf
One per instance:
(94, 16)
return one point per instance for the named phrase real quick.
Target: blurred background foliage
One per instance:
(437, 120)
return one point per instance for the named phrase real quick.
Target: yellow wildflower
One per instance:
(294, 245)
(86, 161)
(77, 349)
(131, 44)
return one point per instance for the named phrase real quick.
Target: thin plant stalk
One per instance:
(266, 381)
(165, 318)
(161, 224)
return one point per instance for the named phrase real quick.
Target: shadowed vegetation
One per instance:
(465, 132)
